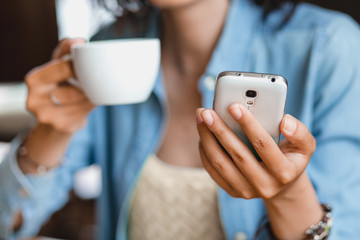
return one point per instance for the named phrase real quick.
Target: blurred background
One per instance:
(31, 30)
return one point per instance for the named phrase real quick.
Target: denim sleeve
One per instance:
(335, 165)
(38, 196)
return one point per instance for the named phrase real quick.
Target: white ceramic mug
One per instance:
(115, 72)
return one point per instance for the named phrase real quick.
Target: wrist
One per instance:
(27, 164)
(36, 155)
(294, 209)
(320, 231)
(55, 131)
(293, 191)
(300, 192)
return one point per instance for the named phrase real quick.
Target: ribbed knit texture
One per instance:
(172, 202)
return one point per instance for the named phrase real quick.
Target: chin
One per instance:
(169, 4)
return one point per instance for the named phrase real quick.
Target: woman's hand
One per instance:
(48, 81)
(60, 108)
(280, 179)
(233, 166)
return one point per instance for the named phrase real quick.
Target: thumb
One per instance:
(297, 134)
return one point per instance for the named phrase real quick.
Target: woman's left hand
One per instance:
(234, 167)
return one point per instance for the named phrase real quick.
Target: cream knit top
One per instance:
(171, 202)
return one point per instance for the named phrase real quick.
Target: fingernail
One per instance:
(235, 111)
(207, 117)
(198, 116)
(290, 125)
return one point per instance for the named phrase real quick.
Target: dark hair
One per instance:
(119, 7)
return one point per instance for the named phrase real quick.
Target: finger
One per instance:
(227, 138)
(77, 120)
(63, 116)
(263, 143)
(68, 95)
(50, 111)
(298, 135)
(215, 175)
(238, 151)
(64, 47)
(65, 95)
(54, 72)
(221, 161)
(253, 172)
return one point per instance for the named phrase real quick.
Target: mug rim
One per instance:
(112, 42)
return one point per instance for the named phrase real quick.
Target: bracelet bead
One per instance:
(23, 156)
(321, 231)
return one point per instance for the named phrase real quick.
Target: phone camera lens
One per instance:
(251, 93)
(273, 80)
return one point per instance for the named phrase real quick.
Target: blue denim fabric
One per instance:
(317, 51)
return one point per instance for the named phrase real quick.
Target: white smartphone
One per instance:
(263, 94)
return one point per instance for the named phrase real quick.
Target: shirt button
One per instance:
(240, 236)
(209, 83)
(23, 193)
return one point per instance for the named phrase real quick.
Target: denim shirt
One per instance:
(317, 51)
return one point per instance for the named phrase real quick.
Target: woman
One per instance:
(316, 50)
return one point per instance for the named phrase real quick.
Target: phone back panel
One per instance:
(268, 106)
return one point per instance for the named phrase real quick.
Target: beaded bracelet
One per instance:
(320, 231)
(23, 156)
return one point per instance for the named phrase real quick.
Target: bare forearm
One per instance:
(294, 210)
(45, 147)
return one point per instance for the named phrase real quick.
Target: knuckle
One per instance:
(43, 117)
(285, 177)
(30, 78)
(237, 155)
(237, 189)
(247, 195)
(60, 126)
(267, 193)
(307, 139)
(30, 105)
(313, 145)
(67, 45)
(64, 43)
(233, 194)
(242, 192)
(217, 163)
(64, 68)
(259, 142)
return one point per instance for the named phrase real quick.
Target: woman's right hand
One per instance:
(49, 81)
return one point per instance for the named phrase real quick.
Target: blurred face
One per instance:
(167, 4)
